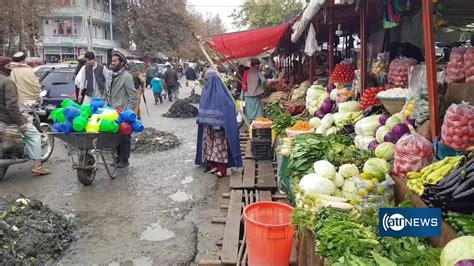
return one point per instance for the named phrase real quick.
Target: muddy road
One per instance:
(156, 212)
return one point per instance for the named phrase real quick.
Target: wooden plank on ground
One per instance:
(249, 174)
(209, 263)
(266, 176)
(230, 245)
(265, 195)
(236, 179)
(248, 150)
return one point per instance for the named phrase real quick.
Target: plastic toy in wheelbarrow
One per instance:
(94, 118)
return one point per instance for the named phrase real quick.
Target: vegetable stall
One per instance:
(368, 132)
(369, 147)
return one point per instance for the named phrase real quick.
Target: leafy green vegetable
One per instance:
(281, 118)
(458, 249)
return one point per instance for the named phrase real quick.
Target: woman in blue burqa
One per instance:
(218, 146)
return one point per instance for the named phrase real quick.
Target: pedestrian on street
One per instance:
(82, 62)
(191, 78)
(218, 146)
(10, 115)
(171, 80)
(252, 85)
(26, 81)
(157, 87)
(138, 82)
(120, 93)
(92, 78)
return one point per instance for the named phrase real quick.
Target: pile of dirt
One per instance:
(182, 109)
(194, 98)
(151, 140)
(31, 233)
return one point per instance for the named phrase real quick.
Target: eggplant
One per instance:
(448, 185)
(467, 194)
(466, 185)
(450, 190)
(462, 207)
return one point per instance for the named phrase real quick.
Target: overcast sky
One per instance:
(221, 7)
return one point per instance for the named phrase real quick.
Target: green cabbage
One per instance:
(348, 170)
(367, 126)
(325, 169)
(313, 183)
(378, 167)
(385, 151)
(315, 122)
(327, 121)
(347, 107)
(458, 249)
(381, 132)
(348, 189)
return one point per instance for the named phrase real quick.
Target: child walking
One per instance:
(157, 87)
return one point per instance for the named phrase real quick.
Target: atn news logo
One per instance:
(410, 222)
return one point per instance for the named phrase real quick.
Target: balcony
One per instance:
(77, 42)
(78, 11)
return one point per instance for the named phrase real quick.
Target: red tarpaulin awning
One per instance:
(247, 43)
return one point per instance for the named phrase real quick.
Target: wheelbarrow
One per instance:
(86, 149)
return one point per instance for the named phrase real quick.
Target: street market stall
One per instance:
(370, 134)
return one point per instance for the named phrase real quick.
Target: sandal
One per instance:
(40, 170)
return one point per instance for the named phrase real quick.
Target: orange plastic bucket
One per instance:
(270, 233)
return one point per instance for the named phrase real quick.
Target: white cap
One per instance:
(167, 64)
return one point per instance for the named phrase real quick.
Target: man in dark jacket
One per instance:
(171, 80)
(10, 115)
(191, 78)
(92, 78)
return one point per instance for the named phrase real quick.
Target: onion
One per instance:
(400, 129)
(330, 87)
(327, 106)
(373, 145)
(410, 122)
(383, 119)
(319, 114)
(390, 137)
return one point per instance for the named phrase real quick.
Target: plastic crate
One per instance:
(262, 133)
(262, 149)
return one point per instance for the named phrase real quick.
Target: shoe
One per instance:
(122, 165)
(219, 174)
(40, 170)
(116, 161)
(213, 170)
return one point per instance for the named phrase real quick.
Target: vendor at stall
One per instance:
(252, 85)
(409, 50)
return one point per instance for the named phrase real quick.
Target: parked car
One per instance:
(59, 83)
(41, 70)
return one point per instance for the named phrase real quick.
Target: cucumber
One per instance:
(468, 229)
(457, 214)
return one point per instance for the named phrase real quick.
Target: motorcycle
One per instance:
(34, 112)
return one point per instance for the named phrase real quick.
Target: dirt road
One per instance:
(157, 212)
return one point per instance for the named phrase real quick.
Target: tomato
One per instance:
(457, 139)
(466, 139)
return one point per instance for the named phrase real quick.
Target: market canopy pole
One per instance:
(428, 34)
(331, 42)
(363, 45)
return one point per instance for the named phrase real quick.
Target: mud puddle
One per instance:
(180, 196)
(155, 232)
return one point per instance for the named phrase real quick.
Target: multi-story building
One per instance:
(75, 27)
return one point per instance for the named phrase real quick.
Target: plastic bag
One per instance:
(311, 43)
(469, 65)
(370, 195)
(412, 153)
(457, 131)
(455, 72)
(398, 71)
